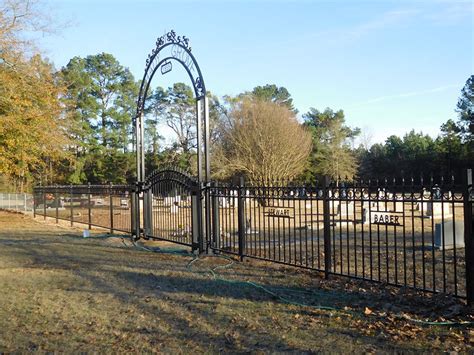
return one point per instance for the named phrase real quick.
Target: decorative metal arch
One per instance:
(171, 47)
(174, 175)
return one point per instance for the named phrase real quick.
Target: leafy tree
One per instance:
(465, 109)
(101, 97)
(331, 154)
(179, 114)
(452, 154)
(273, 93)
(153, 112)
(176, 108)
(32, 129)
(414, 155)
(261, 140)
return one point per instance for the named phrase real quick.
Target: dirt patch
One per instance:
(62, 292)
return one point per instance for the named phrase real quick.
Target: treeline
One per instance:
(416, 154)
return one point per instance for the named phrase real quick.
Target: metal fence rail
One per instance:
(106, 206)
(402, 233)
(412, 233)
(20, 202)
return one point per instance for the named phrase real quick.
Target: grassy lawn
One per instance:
(62, 292)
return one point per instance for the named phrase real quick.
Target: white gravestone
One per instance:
(223, 202)
(334, 207)
(436, 209)
(446, 230)
(171, 200)
(346, 209)
(233, 199)
(174, 208)
(374, 205)
(395, 206)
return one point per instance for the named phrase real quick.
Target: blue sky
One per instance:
(392, 66)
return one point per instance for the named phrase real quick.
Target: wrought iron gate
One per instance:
(172, 208)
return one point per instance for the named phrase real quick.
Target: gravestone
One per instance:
(171, 200)
(223, 202)
(365, 216)
(174, 208)
(395, 206)
(124, 202)
(346, 209)
(233, 200)
(374, 205)
(436, 210)
(446, 229)
(334, 207)
(248, 227)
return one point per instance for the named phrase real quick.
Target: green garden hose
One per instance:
(215, 276)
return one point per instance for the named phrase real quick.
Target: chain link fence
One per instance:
(20, 202)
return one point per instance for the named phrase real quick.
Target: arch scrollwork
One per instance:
(171, 47)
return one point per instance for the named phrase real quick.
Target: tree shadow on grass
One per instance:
(186, 299)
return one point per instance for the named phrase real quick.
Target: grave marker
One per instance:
(445, 229)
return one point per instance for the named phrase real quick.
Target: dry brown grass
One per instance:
(61, 292)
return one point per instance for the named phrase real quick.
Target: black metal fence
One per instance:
(106, 206)
(404, 233)
(169, 206)
(413, 233)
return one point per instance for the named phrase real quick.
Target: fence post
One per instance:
(148, 211)
(196, 219)
(56, 202)
(34, 202)
(89, 213)
(327, 228)
(44, 204)
(215, 217)
(241, 217)
(24, 202)
(111, 209)
(207, 215)
(468, 234)
(136, 210)
(9, 201)
(133, 211)
(72, 207)
(201, 231)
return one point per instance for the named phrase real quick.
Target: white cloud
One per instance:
(407, 94)
(384, 20)
(451, 12)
